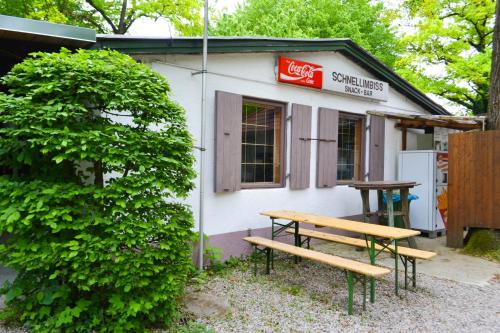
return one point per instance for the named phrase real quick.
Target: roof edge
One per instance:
(194, 45)
(42, 28)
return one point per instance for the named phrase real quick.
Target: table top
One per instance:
(383, 185)
(341, 224)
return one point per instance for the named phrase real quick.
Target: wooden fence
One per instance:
(473, 184)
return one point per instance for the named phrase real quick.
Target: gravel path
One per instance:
(310, 297)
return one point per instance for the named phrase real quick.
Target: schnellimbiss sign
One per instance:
(351, 84)
(307, 74)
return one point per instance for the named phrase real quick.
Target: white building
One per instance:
(264, 137)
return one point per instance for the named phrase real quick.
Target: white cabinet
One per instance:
(430, 169)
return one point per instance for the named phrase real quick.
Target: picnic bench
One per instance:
(355, 271)
(406, 254)
(373, 234)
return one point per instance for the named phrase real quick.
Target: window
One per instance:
(349, 156)
(262, 144)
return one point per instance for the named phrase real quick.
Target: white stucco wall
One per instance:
(253, 75)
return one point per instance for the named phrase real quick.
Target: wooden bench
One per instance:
(356, 271)
(406, 253)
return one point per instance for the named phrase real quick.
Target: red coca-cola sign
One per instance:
(300, 73)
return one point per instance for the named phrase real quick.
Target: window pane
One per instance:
(261, 144)
(349, 153)
(260, 135)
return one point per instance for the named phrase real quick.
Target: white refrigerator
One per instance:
(430, 169)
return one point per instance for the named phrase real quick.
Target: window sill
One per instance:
(260, 186)
(346, 182)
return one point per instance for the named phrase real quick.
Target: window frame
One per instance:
(282, 148)
(362, 150)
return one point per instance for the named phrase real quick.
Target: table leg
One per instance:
(390, 208)
(405, 208)
(406, 272)
(380, 204)
(272, 238)
(297, 240)
(350, 287)
(372, 261)
(396, 262)
(365, 197)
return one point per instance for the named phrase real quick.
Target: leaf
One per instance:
(14, 216)
(13, 293)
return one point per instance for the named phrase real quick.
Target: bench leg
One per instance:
(364, 292)
(268, 260)
(255, 260)
(350, 287)
(372, 261)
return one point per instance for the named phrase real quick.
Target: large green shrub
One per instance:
(98, 156)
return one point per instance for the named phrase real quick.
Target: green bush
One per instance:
(98, 158)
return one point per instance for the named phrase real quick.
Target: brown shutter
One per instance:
(377, 138)
(326, 167)
(301, 147)
(228, 117)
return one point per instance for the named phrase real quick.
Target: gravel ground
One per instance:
(311, 297)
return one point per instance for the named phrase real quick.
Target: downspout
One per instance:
(202, 138)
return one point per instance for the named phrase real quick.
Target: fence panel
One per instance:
(474, 183)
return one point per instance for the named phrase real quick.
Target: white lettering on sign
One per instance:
(355, 85)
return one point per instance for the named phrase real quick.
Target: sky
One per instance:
(161, 28)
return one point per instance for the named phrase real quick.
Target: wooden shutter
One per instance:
(377, 138)
(228, 117)
(301, 147)
(326, 166)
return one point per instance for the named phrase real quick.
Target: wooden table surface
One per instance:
(341, 224)
(383, 185)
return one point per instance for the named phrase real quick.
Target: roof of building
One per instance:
(20, 36)
(17, 28)
(194, 45)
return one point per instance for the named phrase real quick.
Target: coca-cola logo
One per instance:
(300, 73)
(303, 71)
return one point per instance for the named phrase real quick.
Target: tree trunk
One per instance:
(494, 103)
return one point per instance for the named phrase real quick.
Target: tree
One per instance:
(448, 51)
(494, 103)
(359, 20)
(99, 156)
(108, 16)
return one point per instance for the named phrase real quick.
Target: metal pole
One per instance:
(202, 138)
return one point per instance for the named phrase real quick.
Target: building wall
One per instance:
(253, 75)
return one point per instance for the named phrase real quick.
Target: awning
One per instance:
(429, 121)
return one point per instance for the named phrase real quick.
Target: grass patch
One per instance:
(191, 327)
(485, 244)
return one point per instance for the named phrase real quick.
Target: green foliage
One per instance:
(361, 20)
(108, 16)
(484, 243)
(448, 51)
(191, 327)
(99, 156)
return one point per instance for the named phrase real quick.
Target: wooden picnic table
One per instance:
(371, 232)
(389, 187)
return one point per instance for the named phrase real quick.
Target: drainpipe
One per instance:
(202, 139)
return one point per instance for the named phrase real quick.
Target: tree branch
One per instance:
(103, 14)
(121, 24)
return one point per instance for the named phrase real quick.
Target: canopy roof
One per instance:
(429, 121)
